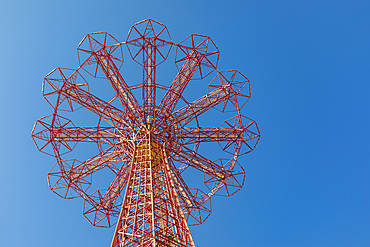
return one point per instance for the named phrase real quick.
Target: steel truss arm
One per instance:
(180, 82)
(65, 135)
(103, 53)
(219, 95)
(100, 206)
(186, 155)
(106, 158)
(149, 69)
(116, 186)
(190, 204)
(147, 42)
(94, 104)
(191, 135)
(185, 195)
(218, 176)
(117, 82)
(85, 134)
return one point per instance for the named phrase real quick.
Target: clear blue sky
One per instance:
(309, 64)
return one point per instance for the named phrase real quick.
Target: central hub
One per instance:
(149, 154)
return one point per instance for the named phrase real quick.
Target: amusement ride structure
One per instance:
(147, 135)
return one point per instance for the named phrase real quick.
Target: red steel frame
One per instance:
(143, 144)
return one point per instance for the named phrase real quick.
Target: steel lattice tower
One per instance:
(146, 146)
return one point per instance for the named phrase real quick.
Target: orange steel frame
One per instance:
(144, 143)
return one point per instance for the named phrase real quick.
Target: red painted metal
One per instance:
(146, 145)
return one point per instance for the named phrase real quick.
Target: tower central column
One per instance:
(151, 213)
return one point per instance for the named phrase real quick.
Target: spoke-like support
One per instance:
(200, 163)
(103, 205)
(182, 78)
(70, 90)
(128, 102)
(106, 158)
(192, 204)
(149, 81)
(73, 174)
(100, 52)
(220, 94)
(151, 41)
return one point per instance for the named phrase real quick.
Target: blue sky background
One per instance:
(309, 64)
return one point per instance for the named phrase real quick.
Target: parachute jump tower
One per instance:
(148, 135)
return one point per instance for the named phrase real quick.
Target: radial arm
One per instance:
(75, 93)
(191, 135)
(116, 186)
(104, 206)
(85, 134)
(180, 82)
(107, 157)
(189, 112)
(185, 195)
(201, 163)
(149, 69)
(117, 82)
(192, 205)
